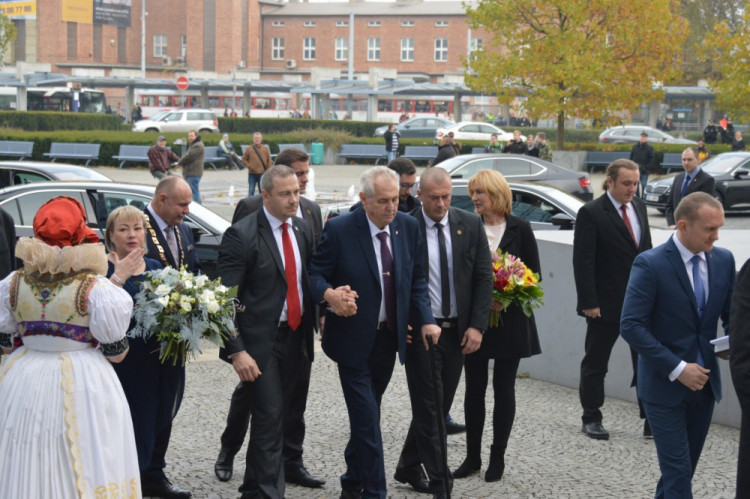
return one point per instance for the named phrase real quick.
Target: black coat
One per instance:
(310, 212)
(514, 147)
(7, 244)
(643, 155)
(603, 253)
(703, 182)
(739, 337)
(446, 151)
(516, 336)
(158, 249)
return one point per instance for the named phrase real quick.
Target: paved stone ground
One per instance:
(547, 455)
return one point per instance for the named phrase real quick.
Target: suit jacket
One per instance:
(660, 319)
(310, 212)
(739, 337)
(703, 182)
(250, 258)
(603, 253)
(516, 336)
(158, 249)
(472, 267)
(346, 256)
(7, 244)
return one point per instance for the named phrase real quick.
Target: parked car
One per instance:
(517, 167)
(99, 199)
(475, 130)
(544, 207)
(180, 120)
(630, 134)
(417, 127)
(27, 172)
(731, 173)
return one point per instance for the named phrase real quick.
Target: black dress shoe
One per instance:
(595, 430)
(163, 488)
(647, 430)
(300, 476)
(350, 494)
(453, 428)
(224, 465)
(413, 476)
(467, 468)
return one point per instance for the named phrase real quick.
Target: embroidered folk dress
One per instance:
(65, 426)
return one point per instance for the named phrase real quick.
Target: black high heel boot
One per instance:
(496, 467)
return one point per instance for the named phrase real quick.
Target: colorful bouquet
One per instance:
(181, 308)
(513, 283)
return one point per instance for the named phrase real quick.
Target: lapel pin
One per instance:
(396, 232)
(308, 211)
(459, 232)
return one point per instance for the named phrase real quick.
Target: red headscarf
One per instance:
(61, 222)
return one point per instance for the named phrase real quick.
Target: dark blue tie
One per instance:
(685, 184)
(389, 289)
(700, 297)
(445, 283)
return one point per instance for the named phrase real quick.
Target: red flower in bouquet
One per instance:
(513, 284)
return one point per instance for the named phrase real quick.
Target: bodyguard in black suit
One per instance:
(605, 245)
(266, 254)
(238, 418)
(739, 363)
(693, 179)
(460, 285)
(169, 241)
(368, 268)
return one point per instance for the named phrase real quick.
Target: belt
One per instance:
(447, 323)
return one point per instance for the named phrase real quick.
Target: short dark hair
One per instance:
(403, 166)
(289, 156)
(644, 134)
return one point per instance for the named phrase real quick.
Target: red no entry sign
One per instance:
(182, 83)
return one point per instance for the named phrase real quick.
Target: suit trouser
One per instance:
(679, 434)
(363, 388)
(270, 396)
(422, 445)
(238, 418)
(600, 339)
(743, 459)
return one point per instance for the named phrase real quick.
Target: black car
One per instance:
(99, 199)
(27, 172)
(515, 167)
(731, 172)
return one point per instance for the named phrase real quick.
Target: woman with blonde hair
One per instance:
(513, 339)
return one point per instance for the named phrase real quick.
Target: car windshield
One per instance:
(62, 173)
(452, 163)
(209, 217)
(723, 163)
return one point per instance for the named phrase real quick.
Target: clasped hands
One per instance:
(342, 300)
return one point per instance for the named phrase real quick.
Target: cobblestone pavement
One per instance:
(547, 455)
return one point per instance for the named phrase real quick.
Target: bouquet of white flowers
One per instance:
(181, 308)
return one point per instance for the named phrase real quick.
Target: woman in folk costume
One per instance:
(65, 426)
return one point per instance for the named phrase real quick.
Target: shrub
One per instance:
(42, 121)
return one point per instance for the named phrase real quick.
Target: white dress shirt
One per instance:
(277, 231)
(374, 231)
(635, 222)
(433, 255)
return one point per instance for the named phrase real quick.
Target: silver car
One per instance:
(180, 120)
(631, 134)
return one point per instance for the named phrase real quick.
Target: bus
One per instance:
(55, 99)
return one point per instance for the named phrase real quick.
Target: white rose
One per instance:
(163, 300)
(213, 307)
(207, 296)
(201, 280)
(148, 286)
(221, 288)
(187, 284)
(185, 304)
(162, 290)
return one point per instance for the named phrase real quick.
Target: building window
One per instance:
(342, 49)
(373, 49)
(277, 49)
(183, 46)
(309, 24)
(308, 49)
(441, 49)
(72, 40)
(407, 24)
(441, 24)
(373, 24)
(342, 24)
(277, 24)
(476, 45)
(160, 45)
(407, 49)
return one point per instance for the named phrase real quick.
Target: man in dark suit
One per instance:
(739, 363)
(643, 155)
(460, 285)
(238, 418)
(266, 255)
(610, 231)
(169, 241)
(674, 299)
(368, 268)
(7, 244)
(693, 179)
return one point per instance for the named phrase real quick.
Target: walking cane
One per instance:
(440, 419)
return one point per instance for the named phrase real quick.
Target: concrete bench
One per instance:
(672, 161)
(211, 157)
(421, 153)
(600, 159)
(135, 154)
(362, 151)
(301, 147)
(71, 150)
(16, 149)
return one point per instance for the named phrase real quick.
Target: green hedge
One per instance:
(282, 125)
(48, 121)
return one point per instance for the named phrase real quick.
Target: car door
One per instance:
(513, 168)
(415, 128)
(173, 122)
(737, 193)
(23, 208)
(537, 210)
(468, 169)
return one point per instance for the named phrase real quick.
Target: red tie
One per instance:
(293, 314)
(627, 223)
